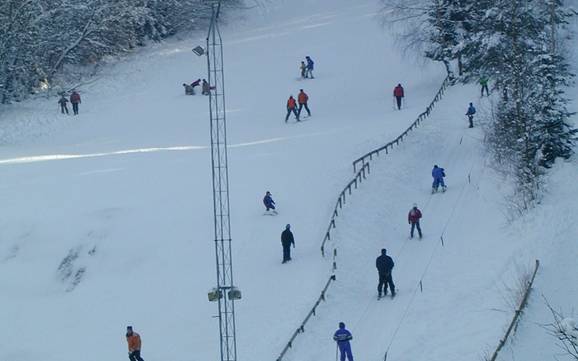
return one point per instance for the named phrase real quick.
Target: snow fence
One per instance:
(514, 324)
(361, 169)
(361, 166)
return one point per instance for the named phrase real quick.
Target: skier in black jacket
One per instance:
(384, 265)
(287, 240)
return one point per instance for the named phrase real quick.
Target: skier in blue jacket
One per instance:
(470, 113)
(342, 336)
(438, 175)
(309, 67)
(269, 202)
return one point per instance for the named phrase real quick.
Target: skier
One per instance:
(302, 99)
(75, 100)
(309, 67)
(384, 265)
(342, 336)
(484, 85)
(438, 175)
(286, 241)
(398, 95)
(269, 202)
(134, 344)
(303, 69)
(470, 113)
(291, 107)
(188, 89)
(62, 102)
(413, 218)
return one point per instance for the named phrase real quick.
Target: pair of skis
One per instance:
(384, 296)
(434, 190)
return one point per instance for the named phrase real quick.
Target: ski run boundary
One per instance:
(514, 324)
(359, 176)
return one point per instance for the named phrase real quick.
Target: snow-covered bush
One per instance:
(564, 329)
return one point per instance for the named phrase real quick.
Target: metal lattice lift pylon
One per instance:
(225, 293)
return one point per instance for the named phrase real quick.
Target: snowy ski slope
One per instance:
(122, 193)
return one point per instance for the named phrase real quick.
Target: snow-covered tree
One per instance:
(20, 65)
(39, 38)
(451, 25)
(558, 136)
(513, 42)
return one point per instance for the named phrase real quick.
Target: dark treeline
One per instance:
(39, 38)
(516, 44)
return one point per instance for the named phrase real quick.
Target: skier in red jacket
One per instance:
(75, 100)
(398, 94)
(413, 218)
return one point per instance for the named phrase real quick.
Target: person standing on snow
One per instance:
(62, 102)
(309, 68)
(134, 344)
(291, 107)
(303, 69)
(302, 99)
(75, 100)
(470, 113)
(484, 85)
(398, 94)
(438, 175)
(384, 265)
(286, 241)
(269, 202)
(413, 218)
(342, 336)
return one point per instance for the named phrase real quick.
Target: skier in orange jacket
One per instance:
(302, 99)
(134, 344)
(291, 107)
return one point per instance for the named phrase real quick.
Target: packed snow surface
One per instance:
(107, 217)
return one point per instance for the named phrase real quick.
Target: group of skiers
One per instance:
(190, 88)
(399, 95)
(74, 100)
(287, 239)
(302, 101)
(471, 109)
(385, 264)
(306, 68)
